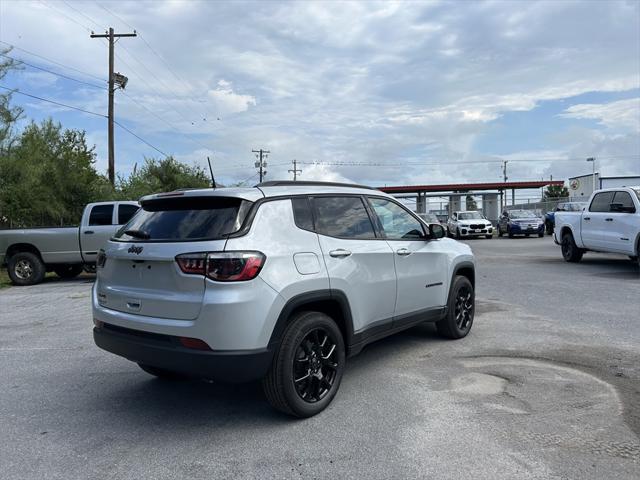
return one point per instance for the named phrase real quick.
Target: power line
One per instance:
(52, 61)
(53, 73)
(12, 90)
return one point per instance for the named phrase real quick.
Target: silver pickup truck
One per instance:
(30, 253)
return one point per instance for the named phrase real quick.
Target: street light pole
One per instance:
(593, 173)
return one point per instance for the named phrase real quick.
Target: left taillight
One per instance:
(222, 266)
(101, 259)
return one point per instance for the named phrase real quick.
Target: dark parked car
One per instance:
(550, 217)
(520, 222)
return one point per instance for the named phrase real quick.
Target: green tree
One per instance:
(554, 191)
(161, 176)
(8, 114)
(48, 176)
(471, 203)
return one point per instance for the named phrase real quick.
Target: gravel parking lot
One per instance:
(547, 385)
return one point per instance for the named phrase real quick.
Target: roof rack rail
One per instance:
(307, 183)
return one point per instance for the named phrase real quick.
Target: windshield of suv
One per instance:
(470, 216)
(185, 218)
(522, 214)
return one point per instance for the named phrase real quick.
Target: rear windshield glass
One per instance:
(522, 214)
(185, 218)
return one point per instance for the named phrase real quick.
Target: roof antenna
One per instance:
(213, 180)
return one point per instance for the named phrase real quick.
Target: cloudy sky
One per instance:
(379, 93)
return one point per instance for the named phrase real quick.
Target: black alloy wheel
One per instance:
(463, 312)
(315, 366)
(460, 310)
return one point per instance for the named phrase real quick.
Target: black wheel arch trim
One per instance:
(467, 266)
(310, 298)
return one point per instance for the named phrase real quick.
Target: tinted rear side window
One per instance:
(186, 218)
(625, 199)
(302, 213)
(101, 215)
(344, 217)
(125, 212)
(601, 201)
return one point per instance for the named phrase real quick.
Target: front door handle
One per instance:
(339, 253)
(88, 232)
(608, 219)
(403, 252)
(586, 219)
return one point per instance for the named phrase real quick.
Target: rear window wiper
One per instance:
(138, 234)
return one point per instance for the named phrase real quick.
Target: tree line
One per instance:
(48, 172)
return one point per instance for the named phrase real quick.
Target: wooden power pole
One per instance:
(113, 78)
(295, 170)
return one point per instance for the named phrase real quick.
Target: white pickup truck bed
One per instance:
(609, 223)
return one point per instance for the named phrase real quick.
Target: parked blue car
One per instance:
(520, 222)
(550, 217)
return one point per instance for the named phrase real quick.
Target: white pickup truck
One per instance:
(609, 223)
(30, 253)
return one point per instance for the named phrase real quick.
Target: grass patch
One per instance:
(4, 279)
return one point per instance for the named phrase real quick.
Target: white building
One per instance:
(581, 187)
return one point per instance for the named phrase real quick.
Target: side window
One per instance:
(601, 201)
(302, 213)
(101, 215)
(344, 217)
(625, 199)
(125, 212)
(397, 223)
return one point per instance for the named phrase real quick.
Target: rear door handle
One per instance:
(339, 253)
(403, 252)
(586, 219)
(88, 232)
(608, 219)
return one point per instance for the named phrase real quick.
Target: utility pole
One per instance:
(295, 170)
(114, 78)
(261, 155)
(593, 173)
(505, 178)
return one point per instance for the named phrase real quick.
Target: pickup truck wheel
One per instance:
(570, 251)
(499, 231)
(68, 270)
(307, 368)
(460, 311)
(161, 372)
(26, 268)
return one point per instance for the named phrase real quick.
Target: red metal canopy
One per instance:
(465, 187)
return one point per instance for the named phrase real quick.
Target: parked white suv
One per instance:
(280, 282)
(469, 224)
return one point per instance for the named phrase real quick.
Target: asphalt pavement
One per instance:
(546, 386)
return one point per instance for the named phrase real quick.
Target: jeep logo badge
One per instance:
(134, 249)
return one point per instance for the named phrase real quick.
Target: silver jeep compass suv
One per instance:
(280, 283)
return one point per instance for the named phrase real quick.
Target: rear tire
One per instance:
(25, 268)
(570, 251)
(307, 368)
(460, 311)
(162, 373)
(548, 226)
(68, 270)
(541, 234)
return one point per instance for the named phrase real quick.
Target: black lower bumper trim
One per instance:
(232, 366)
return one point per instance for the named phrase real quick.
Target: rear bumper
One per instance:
(165, 351)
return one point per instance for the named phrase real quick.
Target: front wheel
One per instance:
(460, 310)
(307, 369)
(25, 268)
(570, 251)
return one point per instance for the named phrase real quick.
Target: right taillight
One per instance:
(222, 266)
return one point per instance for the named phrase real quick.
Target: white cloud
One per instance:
(227, 101)
(621, 114)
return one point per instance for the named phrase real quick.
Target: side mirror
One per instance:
(436, 230)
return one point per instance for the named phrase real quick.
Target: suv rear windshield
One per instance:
(185, 218)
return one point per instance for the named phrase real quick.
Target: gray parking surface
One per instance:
(547, 385)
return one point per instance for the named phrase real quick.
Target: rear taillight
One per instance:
(101, 259)
(234, 266)
(193, 263)
(222, 266)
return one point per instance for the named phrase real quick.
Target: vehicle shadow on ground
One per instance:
(598, 266)
(82, 278)
(142, 399)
